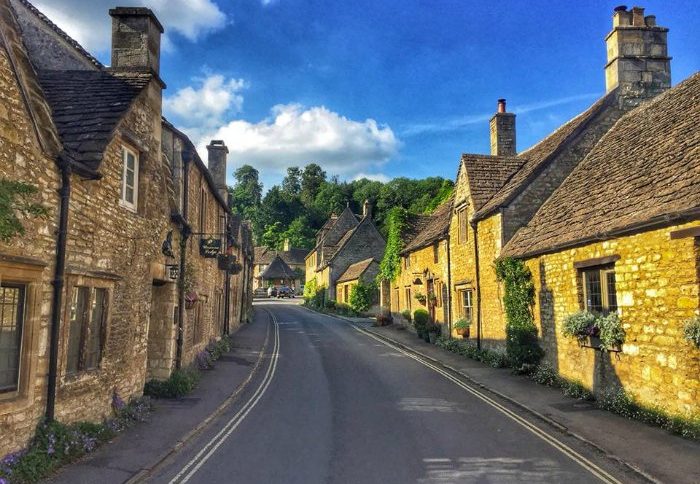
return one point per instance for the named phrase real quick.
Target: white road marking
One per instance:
(562, 447)
(210, 448)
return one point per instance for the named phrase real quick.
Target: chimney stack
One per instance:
(216, 162)
(366, 209)
(503, 131)
(135, 39)
(638, 62)
(287, 246)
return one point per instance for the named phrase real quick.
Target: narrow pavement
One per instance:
(335, 405)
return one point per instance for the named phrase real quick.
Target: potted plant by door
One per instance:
(461, 327)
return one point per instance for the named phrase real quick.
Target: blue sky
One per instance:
(380, 88)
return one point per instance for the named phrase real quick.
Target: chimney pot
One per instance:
(501, 106)
(620, 8)
(366, 209)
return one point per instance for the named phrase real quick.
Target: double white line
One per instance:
(208, 450)
(557, 444)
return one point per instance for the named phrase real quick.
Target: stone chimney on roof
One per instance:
(366, 209)
(638, 61)
(217, 152)
(502, 131)
(287, 246)
(135, 39)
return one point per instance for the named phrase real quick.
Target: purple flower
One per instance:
(117, 403)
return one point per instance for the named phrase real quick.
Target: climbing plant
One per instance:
(522, 345)
(16, 201)
(362, 296)
(390, 265)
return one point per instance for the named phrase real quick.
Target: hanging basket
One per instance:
(191, 299)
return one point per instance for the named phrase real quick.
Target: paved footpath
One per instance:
(650, 451)
(134, 452)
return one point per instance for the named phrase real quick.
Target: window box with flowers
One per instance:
(421, 298)
(602, 332)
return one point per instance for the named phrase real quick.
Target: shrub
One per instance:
(421, 318)
(314, 295)
(362, 296)
(691, 331)
(330, 304)
(406, 313)
(390, 266)
(203, 360)
(469, 349)
(434, 328)
(180, 383)
(522, 345)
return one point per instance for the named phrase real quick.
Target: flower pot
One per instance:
(463, 332)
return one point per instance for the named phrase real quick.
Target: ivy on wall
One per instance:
(522, 346)
(390, 266)
(15, 203)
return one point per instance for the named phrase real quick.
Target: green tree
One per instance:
(246, 194)
(300, 233)
(311, 180)
(291, 184)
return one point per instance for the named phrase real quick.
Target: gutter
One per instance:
(58, 283)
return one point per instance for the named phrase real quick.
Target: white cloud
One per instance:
(381, 177)
(89, 22)
(458, 123)
(295, 135)
(205, 106)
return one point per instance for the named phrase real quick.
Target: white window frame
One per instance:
(123, 201)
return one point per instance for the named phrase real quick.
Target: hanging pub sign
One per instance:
(209, 248)
(173, 271)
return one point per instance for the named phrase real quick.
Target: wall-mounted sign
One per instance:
(209, 248)
(173, 271)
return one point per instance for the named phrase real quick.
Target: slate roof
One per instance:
(436, 228)
(538, 157)
(294, 256)
(87, 107)
(67, 38)
(643, 172)
(356, 270)
(487, 174)
(278, 269)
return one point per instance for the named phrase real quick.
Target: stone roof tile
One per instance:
(356, 270)
(436, 228)
(643, 171)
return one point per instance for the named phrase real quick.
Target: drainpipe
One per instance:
(58, 283)
(478, 284)
(227, 282)
(449, 287)
(184, 236)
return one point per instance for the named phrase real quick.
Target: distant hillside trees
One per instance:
(298, 207)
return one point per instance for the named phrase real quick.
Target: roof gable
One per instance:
(539, 156)
(487, 174)
(356, 270)
(643, 171)
(436, 228)
(278, 269)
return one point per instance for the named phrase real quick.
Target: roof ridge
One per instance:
(73, 43)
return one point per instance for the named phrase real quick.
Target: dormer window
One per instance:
(130, 178)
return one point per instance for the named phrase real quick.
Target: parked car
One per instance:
(285, 291)
(272, 291)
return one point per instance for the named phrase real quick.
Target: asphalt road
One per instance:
(334, 405)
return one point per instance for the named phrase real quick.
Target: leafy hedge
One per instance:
(363, 296)
(522, 345)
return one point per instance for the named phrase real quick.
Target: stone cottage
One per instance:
(497, 194)
(424, 280)
(633, 248)
(342, 241)
(79, 286)
(363, 272)
(292, 257)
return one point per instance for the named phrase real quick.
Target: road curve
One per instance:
(334, 405)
